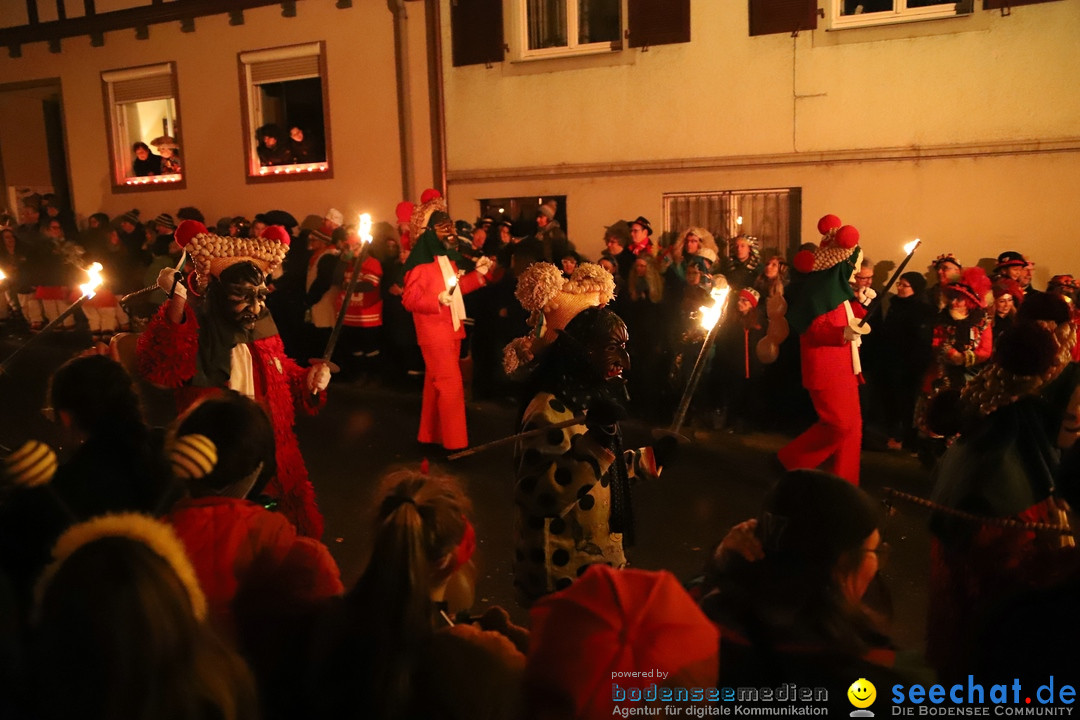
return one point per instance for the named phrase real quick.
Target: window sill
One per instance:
(860, 22)
(278, 173)
(910, 29)
(566, 52)
(151, 182)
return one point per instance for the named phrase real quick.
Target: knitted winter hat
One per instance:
(916, 280)
(548, 209)
(165, 220)
(334, 216)
(751, 295)
(838, 242)
(213, 253)
(32, 464)
(131, 216)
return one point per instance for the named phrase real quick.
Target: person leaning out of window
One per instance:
(274, 146)
(146, 162)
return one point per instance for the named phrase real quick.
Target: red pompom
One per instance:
(277, 232)
(430, 194)
(847, 237)
(827, 223)
(404, 211)
(425, 467)
(804, 261)
(186, 230)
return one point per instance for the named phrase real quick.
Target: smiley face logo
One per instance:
(862, 693)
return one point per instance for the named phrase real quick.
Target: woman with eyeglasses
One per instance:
(903, 356)
(787, 588)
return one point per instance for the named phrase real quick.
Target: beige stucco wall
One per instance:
(967, 104)
(363, 110)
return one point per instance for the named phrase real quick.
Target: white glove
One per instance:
(318, 377)
(865, 295)
(855, 331)
(445, 298)
(167, 278)
(483, 265)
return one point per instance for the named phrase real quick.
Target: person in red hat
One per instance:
(229, 340)
(433, 294)
(1008, 296)
(738, 365)
(827, 320)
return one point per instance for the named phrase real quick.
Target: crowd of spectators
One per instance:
(155, 583)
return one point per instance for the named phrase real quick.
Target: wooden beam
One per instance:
(88, 7)
(121, 19)
(61, 11)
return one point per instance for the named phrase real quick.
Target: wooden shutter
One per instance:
(782, 16)
(998, 4)
(658, 22)
(476, 31)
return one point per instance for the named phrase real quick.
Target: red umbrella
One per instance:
(611, 623)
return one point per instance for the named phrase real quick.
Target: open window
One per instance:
(142, 112)
(860, 13)
(286, 113)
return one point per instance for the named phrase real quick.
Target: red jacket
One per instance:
(826, 357)
(423, 283)
(235, 544)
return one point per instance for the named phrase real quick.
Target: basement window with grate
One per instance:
(142, 113)
(286, 113)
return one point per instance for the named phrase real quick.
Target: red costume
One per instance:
(442, 416)
(824, 317)
(167, 357)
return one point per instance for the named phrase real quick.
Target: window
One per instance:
(572, 25)
(860, 13)
(773, 217)
(143, 117)
(284, 100)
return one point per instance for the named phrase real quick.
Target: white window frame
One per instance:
(120, 154)
(899, 14)
(252, 108)
(519, 32)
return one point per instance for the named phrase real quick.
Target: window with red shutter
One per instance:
(658, 22)
(782, 16)
(476, 31)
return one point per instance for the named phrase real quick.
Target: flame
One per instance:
(711, 315)
(94, 280)
(365, 228)
(452, 282)
(738, 220)
(910, 247)
(3, 277)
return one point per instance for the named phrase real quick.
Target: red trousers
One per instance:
(442, 415)
(837, 435)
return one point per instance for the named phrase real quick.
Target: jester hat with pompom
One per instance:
(827, 271)
(213, 253)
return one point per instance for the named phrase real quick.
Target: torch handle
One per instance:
(53, 323)
(349, 290)
(888, 286)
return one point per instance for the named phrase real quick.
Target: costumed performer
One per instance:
(433, 294)
(1014, 419)
(229, 340)
(573, 484)
(827, 321)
